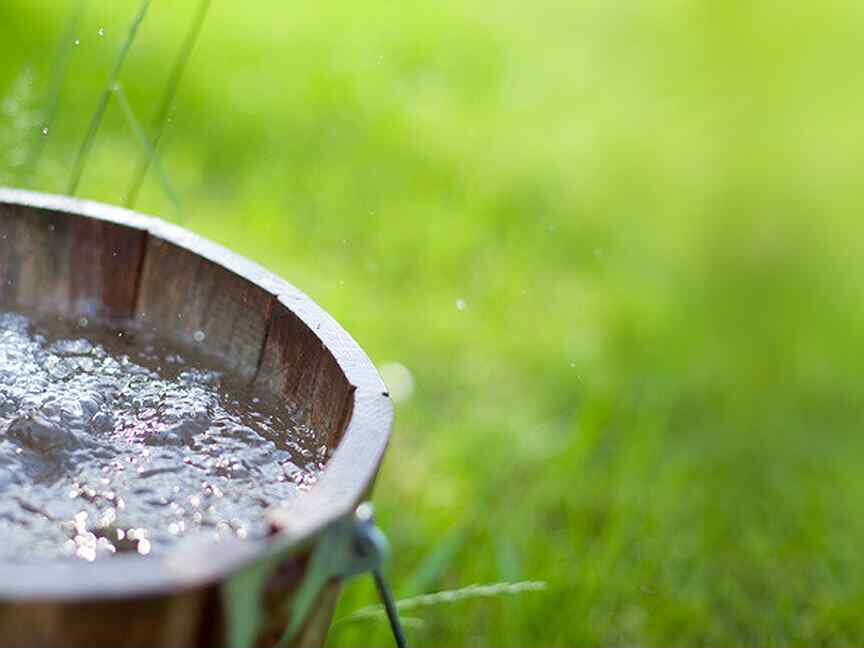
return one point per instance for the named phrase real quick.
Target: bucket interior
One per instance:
(57, 264)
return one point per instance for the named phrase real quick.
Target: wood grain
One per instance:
(54, 263)
(182, 295)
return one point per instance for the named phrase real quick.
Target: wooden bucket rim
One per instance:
(346, 479)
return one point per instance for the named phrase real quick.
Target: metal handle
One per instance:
(348, 548)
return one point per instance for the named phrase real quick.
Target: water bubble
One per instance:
(399, 381)
(80, 521)
(87, 548)
(69, 547)
(461, 304)
(143, 546)
(199, 336)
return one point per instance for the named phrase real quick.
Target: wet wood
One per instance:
(58, 263)
(76, 259)
(182, 295)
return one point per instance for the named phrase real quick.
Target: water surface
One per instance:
(112, 442)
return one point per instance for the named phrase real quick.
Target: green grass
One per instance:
(653, 212)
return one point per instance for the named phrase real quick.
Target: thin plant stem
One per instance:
(492, 590)
(59, 68)
(168, 97)
(386, 597)
(96, 122)
(145, 143)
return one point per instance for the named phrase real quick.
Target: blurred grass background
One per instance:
(651, 212)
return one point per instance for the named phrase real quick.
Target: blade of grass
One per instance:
(491, 590)
(145, 143)
(59, 68)
(161, 120)
(105, 97)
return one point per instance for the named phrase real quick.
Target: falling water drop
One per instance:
(399, 381)
(461, 304)
(101, 32)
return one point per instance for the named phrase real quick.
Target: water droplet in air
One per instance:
(77, 42)
(44, 130)
(461, 304)
(101, 32)
(199, 336)
(399, 381)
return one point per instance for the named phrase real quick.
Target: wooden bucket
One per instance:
(72, 258)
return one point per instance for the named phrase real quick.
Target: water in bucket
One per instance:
(111, 441)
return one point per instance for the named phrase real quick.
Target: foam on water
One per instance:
(112, 443)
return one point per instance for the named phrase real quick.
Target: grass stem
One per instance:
(168, 97)
(148, 146)
(59, 68)
(105, 97)
(492, 590)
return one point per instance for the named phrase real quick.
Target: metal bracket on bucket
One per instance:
(351, 546)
